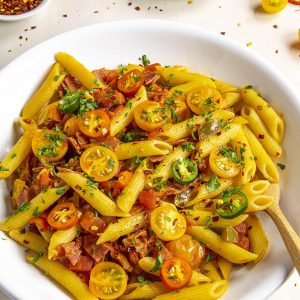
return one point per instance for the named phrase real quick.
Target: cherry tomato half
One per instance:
(108, 280)
(99, 163)
(187, 248)
(63, 216)
(221, 165)
(150, 115)
(71, 126)
(49, 145)
(167, 223)
(203, 100)
(273, 6)
(296, 2)
(95, 123)
(175, 273)
(130, 82)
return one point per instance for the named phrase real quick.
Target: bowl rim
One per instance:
(167, 24)
(26, 15)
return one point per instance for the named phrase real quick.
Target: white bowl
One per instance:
(111, 44)
(26, 15)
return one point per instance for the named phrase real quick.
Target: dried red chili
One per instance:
(17, 7)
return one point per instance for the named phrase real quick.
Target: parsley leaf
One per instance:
(145, 61)
(36, 212)
(3, 168)
(187, 147)
(143, 281)
(37, 257)
(281, 166)
(158, 264)
(212, 184)
(60, 191)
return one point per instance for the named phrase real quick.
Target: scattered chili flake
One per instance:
(129, 3)
(218, 133)
(20, 37)
(137, 8)
(96, 11)
(209, 204)
(9, 50)
(215, 218)
(276, 51)
(223, 32)
(261, 136)
(275, 26)
(33, 27)
(249, 228)
(259, 107)
(26, 242)
(64, 15)
(17, 7)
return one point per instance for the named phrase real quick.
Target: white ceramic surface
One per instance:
(111, 44)
(12, 18)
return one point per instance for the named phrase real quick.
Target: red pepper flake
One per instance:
(33, 27)
(223, 32)
(276, 51)
(96, 11)
(65, 15)
(78, 187)
(259, 107)
(17, 7)
(26, 242)
(215, 218)
(275, 26)
(9, 50)
(218, 133)
(147, 172)
(129, 3)
(20, 37)
(261, 136)
(249, 228)
(209, 204)
(137, 8)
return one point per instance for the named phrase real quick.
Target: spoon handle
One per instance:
(288, 234)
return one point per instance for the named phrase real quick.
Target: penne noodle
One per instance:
(143, 149)
(268, 115)
(17, 154)
(225, 267)
(87, 78)
(28, 209)
(256, 187)
(69, 280)
(259, 202)
(27, 123)
(207, 291)
(263, 161)
(104, 205)
(224, 87)
(45, 92)
(229, 99)
(212, 272)
(124, 226)
(29, 240)
(259, 243)
(228, 250)
(261, 132)
(126, 116)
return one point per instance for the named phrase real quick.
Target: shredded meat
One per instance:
(157, 158)
(97, 252)
(105, 75)
(108, 97)
(112, 142)
(75, 145)
(71, 83)
(84, 264)
(92, 224)
(150, 77)
(157, 93)
(72, 251)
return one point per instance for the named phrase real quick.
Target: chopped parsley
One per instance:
(13, 155)
(187, 147)
(126, 137)
(23, 207)
(158, 264)
(37, 257)
(36, 212)
(47, 151)
(129, 104)
(60, 191)
(232, 154)
(3, 168)
(91, 184)
(143, 281)
(56, 139)
(249, 87)
(110, 163)
(96, 81)
(145, 61)
(56, 77)
(207, 221)
(86, 105)
(213, 184)
(281, 166)
(209, 258)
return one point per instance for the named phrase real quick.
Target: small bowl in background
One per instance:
(26, 15)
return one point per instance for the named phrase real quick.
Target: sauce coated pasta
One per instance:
(141, 182)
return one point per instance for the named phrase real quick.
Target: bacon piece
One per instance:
(85, 277)
(91, 223)
(84, 264)
(243, 242)
(157, 93)
(72, 251)
(150, 77)
(148, 199)
(112, 142)
(105, 75)
(71, 83)
(82, 141)
(157, 158)
(74, 144)
(241, 228)
(97, 252)
(109, 97)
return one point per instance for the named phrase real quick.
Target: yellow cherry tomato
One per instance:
(49, 145)
(71, 126)
(99, 163)
(108, 280)
(273, 6)
(221, 165)
(150, 115)
(203, 100)
(167, 223)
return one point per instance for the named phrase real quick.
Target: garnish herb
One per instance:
(143, 281)
(37, 257)
(212, 184)
(145, 61)
(3, 168)
(158, 264)
(187, 147)
(60, 191)
(36, 212)
(281, 166)
(91, 184)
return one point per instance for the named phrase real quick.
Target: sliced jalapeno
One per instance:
(229, 207)
(184, 170)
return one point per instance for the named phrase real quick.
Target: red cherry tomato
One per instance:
(175, 273)
(130, 82)
(63, 216)
(296, 2)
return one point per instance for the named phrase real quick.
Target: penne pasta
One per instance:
(261, 132)
(259, 243)
(212, 272)
(92, 194)
(16, 155)
(256, 187)
(225, 267)
(131, 191)
(229, 99)
(268, 115)
(69, 280)
(228, 250)
(27, 123)
(122, 227)
(263, 161)
(143, 149)
(123, 119)
(205, 291)
(224, 87)
(29, 240)
(29, 208)
(45, 92)
(87, 78)
(259, 202)
(60, 237)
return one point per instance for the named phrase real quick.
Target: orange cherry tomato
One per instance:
(123, 179)
(150, 115)
(49, 145)
(175, 273)
(130, 82)
(63, 216)
(40, 223)
(95, 123)
(296, 2)
(100, 163)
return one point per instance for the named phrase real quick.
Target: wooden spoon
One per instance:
(288, 234)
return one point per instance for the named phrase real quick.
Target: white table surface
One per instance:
(272, 36)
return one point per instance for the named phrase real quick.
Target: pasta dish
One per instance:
(142, 182)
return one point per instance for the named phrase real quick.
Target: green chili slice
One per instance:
(228, 207)
(184, 170)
